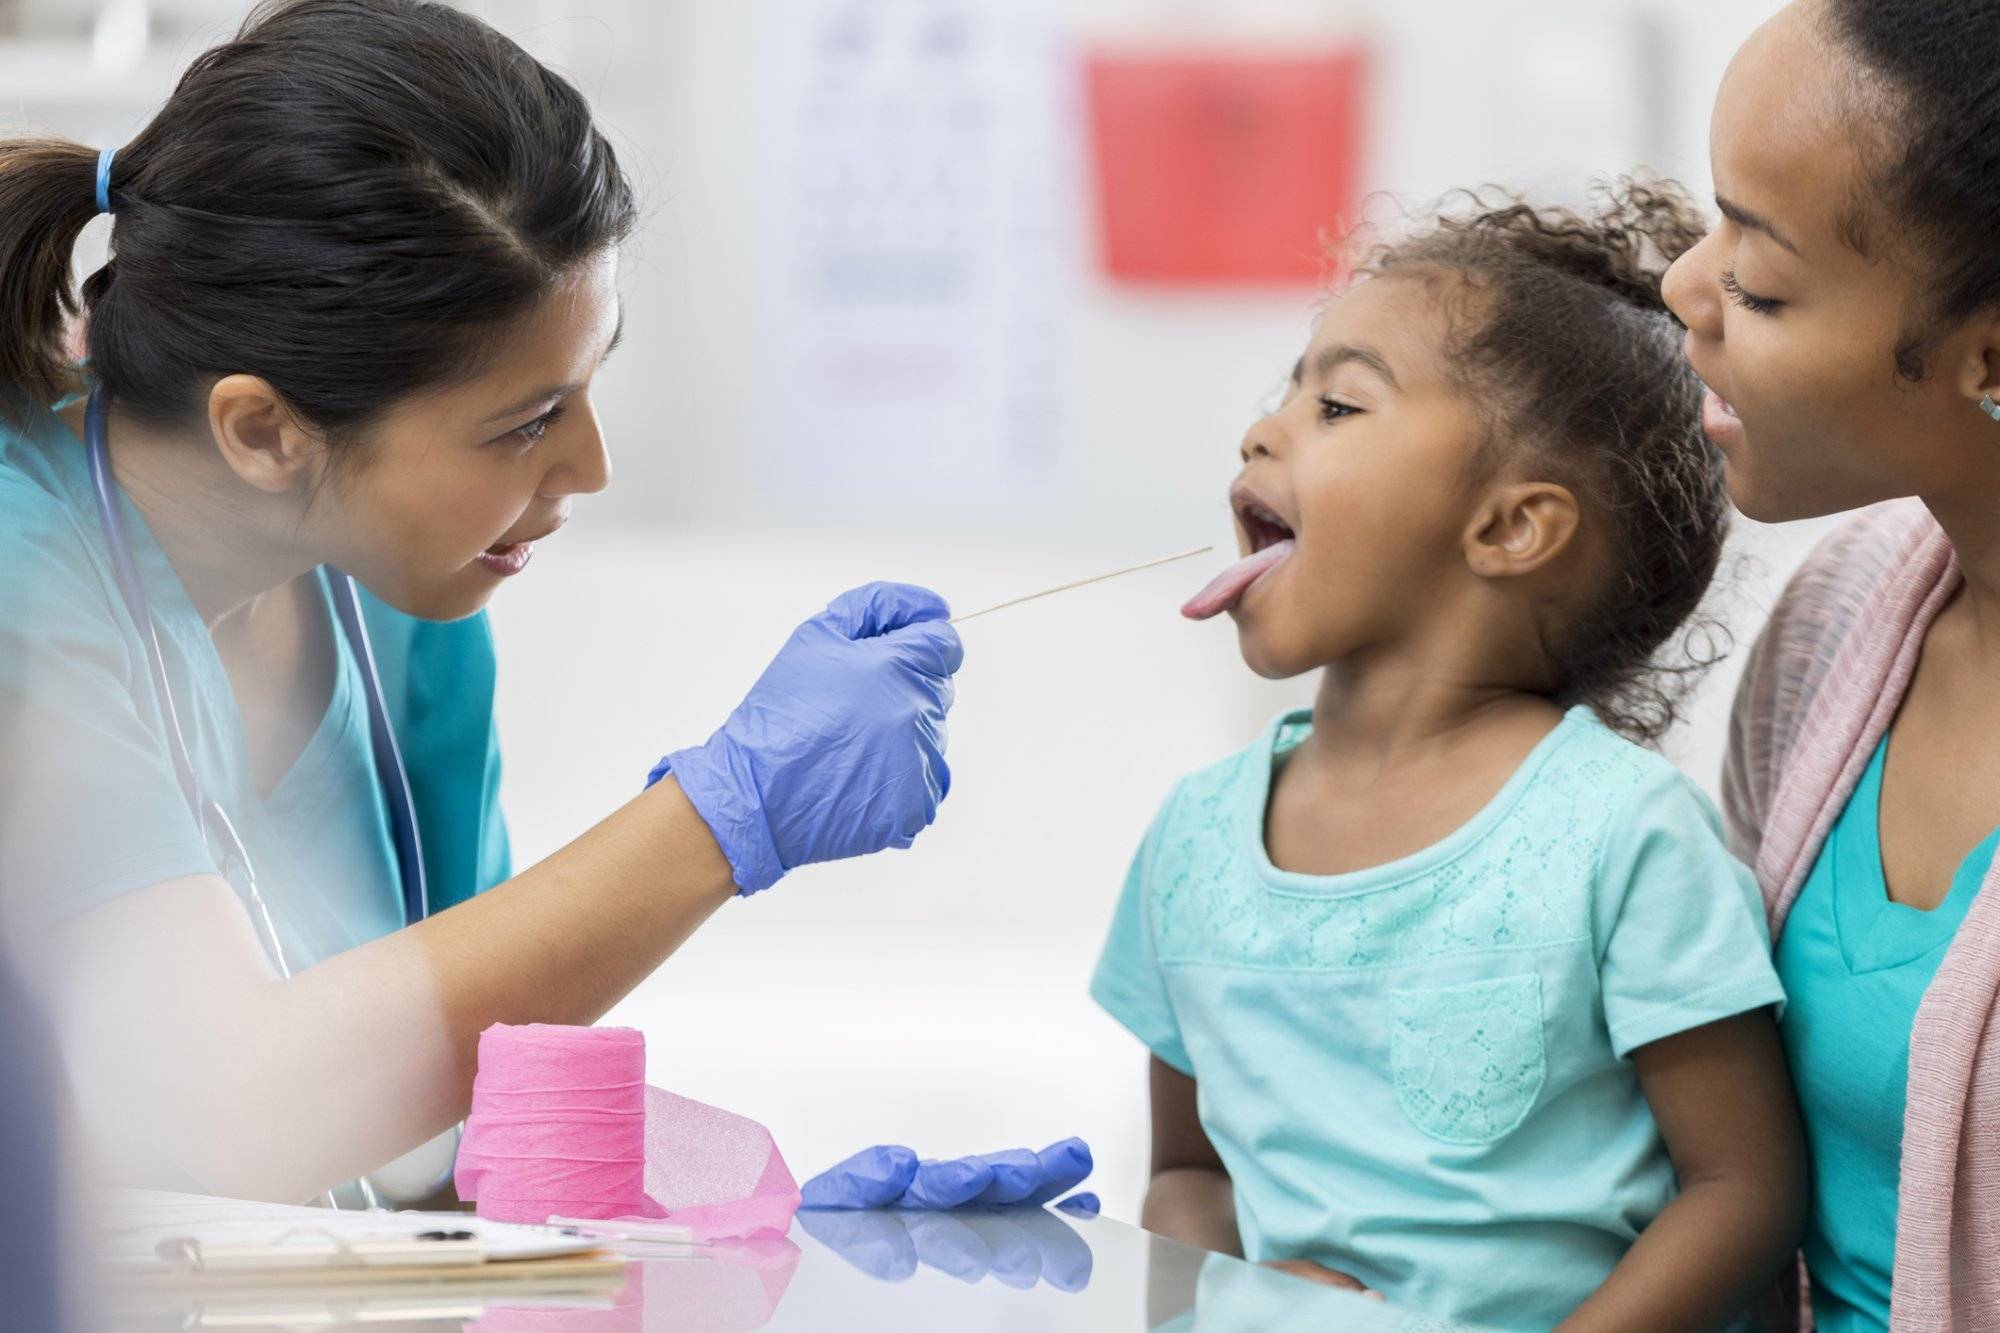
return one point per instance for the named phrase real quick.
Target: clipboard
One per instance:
(182, 1241)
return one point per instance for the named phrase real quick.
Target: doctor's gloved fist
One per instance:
(838, 749)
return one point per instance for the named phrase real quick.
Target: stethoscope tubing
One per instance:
(389, 766)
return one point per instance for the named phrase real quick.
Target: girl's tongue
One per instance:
(1227, 588)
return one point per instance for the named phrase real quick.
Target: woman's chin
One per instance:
(1762, 499)
(447, 599)
(458, 604)
(1754, 502)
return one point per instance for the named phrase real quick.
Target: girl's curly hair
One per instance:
(1564, 335)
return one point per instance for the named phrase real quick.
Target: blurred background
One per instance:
(979, 294)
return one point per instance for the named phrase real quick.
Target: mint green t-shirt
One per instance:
(1856, 966)
(1419, 1073)
(90, 807)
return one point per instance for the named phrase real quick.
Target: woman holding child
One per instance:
(1501, 937)
(1845, 316)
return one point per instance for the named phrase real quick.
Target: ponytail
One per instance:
(48, 192)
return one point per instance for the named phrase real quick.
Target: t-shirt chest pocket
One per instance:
(1469, 1060)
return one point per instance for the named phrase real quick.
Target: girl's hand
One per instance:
(1321, 1274)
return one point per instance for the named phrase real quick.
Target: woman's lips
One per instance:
(505, 559)
(1719, 420)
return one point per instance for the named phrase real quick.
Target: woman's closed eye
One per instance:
(1755, 304)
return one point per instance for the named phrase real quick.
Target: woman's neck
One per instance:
(218, 533)
(1970, 517)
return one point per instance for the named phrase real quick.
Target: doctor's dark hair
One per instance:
(350, 199)
(1931, 97)
(1558, 332)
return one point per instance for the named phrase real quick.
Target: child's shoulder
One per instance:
(1627, 787)
(1590, 795)
(1592, 758)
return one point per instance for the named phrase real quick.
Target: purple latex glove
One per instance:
(890, 1175)
(872, 1178)
(838, 749)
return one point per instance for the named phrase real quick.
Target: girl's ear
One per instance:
(1520, 528)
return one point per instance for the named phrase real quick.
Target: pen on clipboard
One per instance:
(666, 1233)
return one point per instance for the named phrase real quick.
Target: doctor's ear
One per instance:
(1518, 529)
(260, 437)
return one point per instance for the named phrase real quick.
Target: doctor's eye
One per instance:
(523, 436)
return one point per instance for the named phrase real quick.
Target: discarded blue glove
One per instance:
(872, 1178)
(890, 1175)
(838, 749)
(1017, 1247)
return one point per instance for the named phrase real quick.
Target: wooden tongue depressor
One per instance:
(1094, 578)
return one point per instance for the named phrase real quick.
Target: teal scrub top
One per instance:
(1856, 966)
(91, 809)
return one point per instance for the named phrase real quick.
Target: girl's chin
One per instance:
(1268, 660)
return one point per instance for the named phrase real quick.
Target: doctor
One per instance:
(363, 273)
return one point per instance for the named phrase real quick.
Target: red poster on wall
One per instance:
(1224, 169)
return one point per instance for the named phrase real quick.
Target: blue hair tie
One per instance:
(104, 179)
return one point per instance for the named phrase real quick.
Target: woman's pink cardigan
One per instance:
(1821, 688)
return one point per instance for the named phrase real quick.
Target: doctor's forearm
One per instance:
(267, 1088)
(567, 938)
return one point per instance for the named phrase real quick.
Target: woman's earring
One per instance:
(1989, 407)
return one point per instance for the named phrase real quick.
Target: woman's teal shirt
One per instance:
(90, 808)
(1856, 966)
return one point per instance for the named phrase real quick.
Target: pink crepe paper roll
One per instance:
(563, 1124)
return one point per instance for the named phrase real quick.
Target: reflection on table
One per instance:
(973, 1270)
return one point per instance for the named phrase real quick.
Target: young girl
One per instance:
(1452, 989)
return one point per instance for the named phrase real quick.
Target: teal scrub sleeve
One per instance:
(438, 678)
(1129, 983)
(90, 808)
(1679, 924)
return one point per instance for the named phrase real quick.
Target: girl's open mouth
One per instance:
(1263, 526)
(1271, 540)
